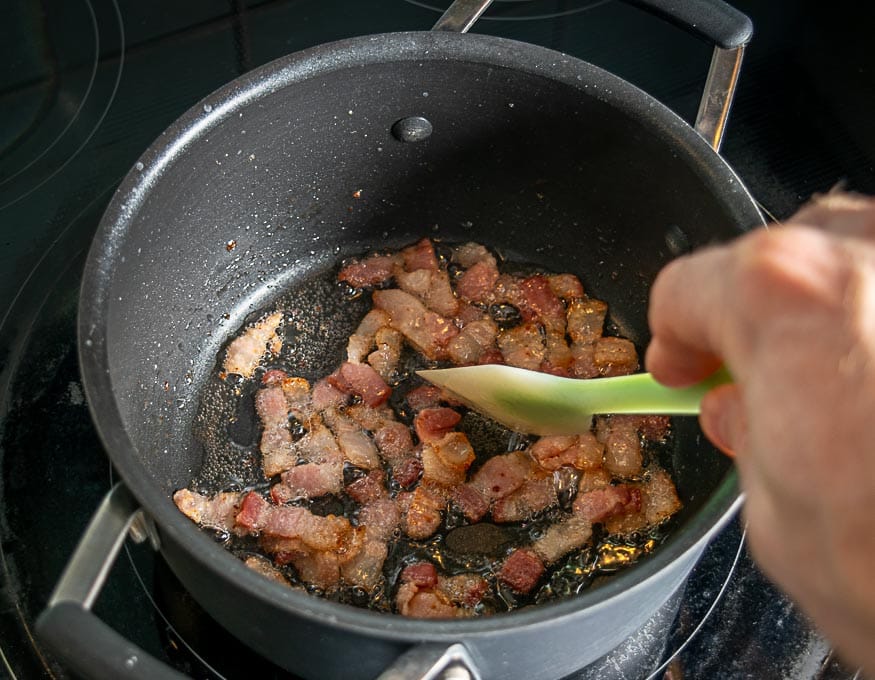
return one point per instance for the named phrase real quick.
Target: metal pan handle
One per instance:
(713, 20)
(78, 638)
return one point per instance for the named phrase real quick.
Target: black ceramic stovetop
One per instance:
(86, 85)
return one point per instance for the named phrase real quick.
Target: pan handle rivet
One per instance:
(412, 129)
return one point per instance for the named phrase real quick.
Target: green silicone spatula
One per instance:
(540, 403)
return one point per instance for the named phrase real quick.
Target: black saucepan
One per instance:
(550, 160)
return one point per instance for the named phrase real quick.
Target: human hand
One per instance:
(791, 312)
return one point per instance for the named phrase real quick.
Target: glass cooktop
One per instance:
(88, 84)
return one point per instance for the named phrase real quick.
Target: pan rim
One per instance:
(285, 72)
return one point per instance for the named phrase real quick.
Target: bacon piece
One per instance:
(277, 449)
(601, 504)
(521, 571)
(585, 319)
(582, 451)
(371, 271)
(385, 358)
(320, 533)
(561, 538)
(654, 428)
(623, 456)
(470, 501)
(477, 284)
(326, 395)
(363, 340)
(308, 480)
(273, 377)
(590, 480)
(420, 255)
(565, 286)
(558, 358)
(266, 568)
(245, 352)
(475, 338)
(543, 303)
(421, 574)
(469, 254)
(380, 517)
(464, 589)
(213, 512)
(615, 356)
(423, 509)
(532, 497)
(583, 361)
(356, 446)
(424, 396)
(377, 521)
(523, 346)
(368, 488)
(502, 475)
(426, 330)
(431, 424)
(446, 461)
(432, 287)
(424, 604)
(394, 441)
(362, 381)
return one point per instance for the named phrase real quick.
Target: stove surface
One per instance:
(90, 83)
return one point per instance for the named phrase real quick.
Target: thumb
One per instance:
(722, 418)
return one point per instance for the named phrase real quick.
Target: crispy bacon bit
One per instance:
(543, 303)
(470, 501)
(424, 508)
(371, 271)
(213, 512)
(561, 538)
(246, 351)
(356, 446)
(368, 488)
(532, 497)
(566, 286)
(615, 356)
(319, 533)
(502, 475)
(420, 255)
(364, 339)
(273, 377)
(325, 395)
(465, 589)
(385, 358)
(476, 338)
(424, 396)
(622, 445)
(469, 254)
(431, 424)
(310, 480)
(265, 567)
(585, 320)
(445, 461)
(521, 571)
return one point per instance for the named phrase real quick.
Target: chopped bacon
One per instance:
(426, 330)
(213, 512)
(357, 447)
(523, 346)
(309, 480)
(424, 604)
(325, 395)
(477, 284)
(424, 396)
(585, 320)
(521, 571)
(583, 360)
(470, 501)
(407, 472)
(615, 356)
(394, 441)
(423, 508)
(469, 254)
(246, 350)
(272, 377)
(380, 517)
(532, 497)
(590, 480)
(465, 589)
(566, 286)
(502, 475)
(432, 287)
(561, 538)
(623, 456)
(265, 567)
(277, 449)
(543, 302)
(654, 428)
(597, 506)
(362, 381)
(363, 340)
(420, 255)
(559, 358)
(421, 574)
(320, 533)
(582, 451)
(446, 461)
(385, 358)
(371, 271)
(475, 338)
(368, 488)
(431, 424)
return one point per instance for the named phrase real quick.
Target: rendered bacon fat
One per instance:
(365, 462)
